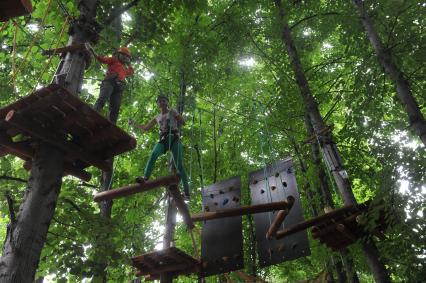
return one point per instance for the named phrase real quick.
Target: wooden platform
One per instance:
(336, 229)
(171, 260)
(55, 116)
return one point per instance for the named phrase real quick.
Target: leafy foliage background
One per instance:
(200, 47)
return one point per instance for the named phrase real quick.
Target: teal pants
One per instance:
(161, 148)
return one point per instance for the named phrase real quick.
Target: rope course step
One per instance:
(53, 115)
(136, 188)
(14, 8)
(336, 229)
(170, 260)
(238, 211)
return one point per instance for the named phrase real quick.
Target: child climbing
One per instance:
(113, 84)
(168, 120)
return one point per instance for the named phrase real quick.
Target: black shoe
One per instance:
(141, 179)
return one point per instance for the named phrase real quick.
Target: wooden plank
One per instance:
(176, 266)
(4, 151)
(136, 188)
(41, 104)
(121, 147)
(181, 206)
(25, 125)
(70, 48)
(315, 221)
(238, 211)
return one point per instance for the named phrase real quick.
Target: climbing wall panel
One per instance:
(272, 184)
(222, 239)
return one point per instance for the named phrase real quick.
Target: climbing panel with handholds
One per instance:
(222, 239)
(14, 8)
(170, 260)
(274, 183)
(52, 115)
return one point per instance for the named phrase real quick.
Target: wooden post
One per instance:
(181, 206)
(238, 211)
(136, 188)
(279, 219)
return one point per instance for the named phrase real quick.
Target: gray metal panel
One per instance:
(222, 239)
(282, 183)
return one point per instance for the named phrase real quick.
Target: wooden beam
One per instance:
(3, 151)
(181, 206)
(69, 169)
(121, 147)
(20, 149)
(137, 188)
(34, 130)
(315, 221)
(279, 219)
(238, 211)
(70, 48)
(174, 267)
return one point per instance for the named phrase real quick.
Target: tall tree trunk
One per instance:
(403, 90)
(331, 153)
(26, 237)
(101, 273)
(327, 203)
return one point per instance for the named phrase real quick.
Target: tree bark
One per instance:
(331, 153)
(26, 237)
(403, 89)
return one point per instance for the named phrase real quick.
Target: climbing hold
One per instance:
(225, 201)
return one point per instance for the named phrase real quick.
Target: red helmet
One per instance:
(125, 51)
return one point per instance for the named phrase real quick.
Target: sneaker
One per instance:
(186, 197)
(141, 179)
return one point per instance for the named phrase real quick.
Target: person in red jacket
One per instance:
(113, 84)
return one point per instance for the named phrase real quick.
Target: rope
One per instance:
(199, 149)
(192, 141)
(35, 37)
(194, 244)
(61, 33)
(15, 34)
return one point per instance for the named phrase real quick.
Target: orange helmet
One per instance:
(125, 51)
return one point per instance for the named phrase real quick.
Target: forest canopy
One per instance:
(227, 68)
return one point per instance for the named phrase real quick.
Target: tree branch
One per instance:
(10, 205)
(120, 11)
(10, 178)
(313, 16)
